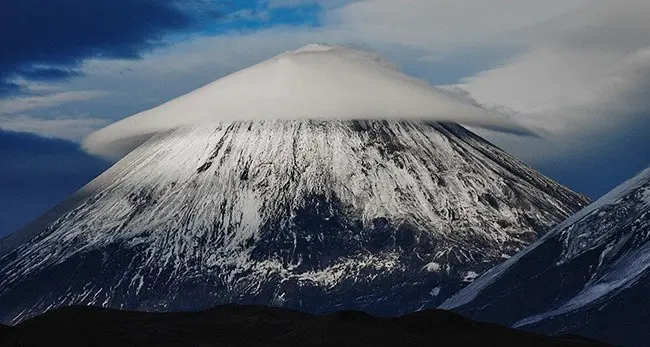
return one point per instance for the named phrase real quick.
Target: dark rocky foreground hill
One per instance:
(263, 326)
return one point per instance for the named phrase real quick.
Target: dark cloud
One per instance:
(48, 73)
(36, 173)
(64, 32)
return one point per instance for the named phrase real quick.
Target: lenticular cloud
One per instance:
(315, 82)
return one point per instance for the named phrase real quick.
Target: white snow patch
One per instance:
(315, 82)
(435, 291)
(432, 267)
(646, 196)
(470, 276)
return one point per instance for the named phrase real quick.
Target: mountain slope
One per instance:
(264, 326)
(590, 275)
(383, 216)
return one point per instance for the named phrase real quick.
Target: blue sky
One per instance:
(575, 71)
(38, 172)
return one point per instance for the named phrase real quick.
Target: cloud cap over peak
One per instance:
(316, 82)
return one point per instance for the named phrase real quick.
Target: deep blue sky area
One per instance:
(36, 173)
(609, 162)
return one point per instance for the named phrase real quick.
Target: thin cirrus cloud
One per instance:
(31, 102)
(588, 73)
(15, 114)
(62, 127)
(447, 25)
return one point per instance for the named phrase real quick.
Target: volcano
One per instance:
(315, 214)
(588, 276)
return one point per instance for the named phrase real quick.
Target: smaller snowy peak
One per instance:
(589, 271)
(314, 82)
(578, 233)
(578, 240)
(615, 195)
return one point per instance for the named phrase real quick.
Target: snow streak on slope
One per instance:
(588, 273)
(578, 242)
(383, 216)
(315, 82)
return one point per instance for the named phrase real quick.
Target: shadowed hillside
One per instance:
(263, 326)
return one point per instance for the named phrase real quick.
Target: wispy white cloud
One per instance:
(583, 76)
(326, 4)
(68, 128)
(47, 100)
(444, 24)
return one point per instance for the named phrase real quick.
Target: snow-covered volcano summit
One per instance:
(383, 216)
(315, 214)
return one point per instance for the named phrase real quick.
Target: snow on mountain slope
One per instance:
(315, 82)
(590, 275)
(383, 216)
